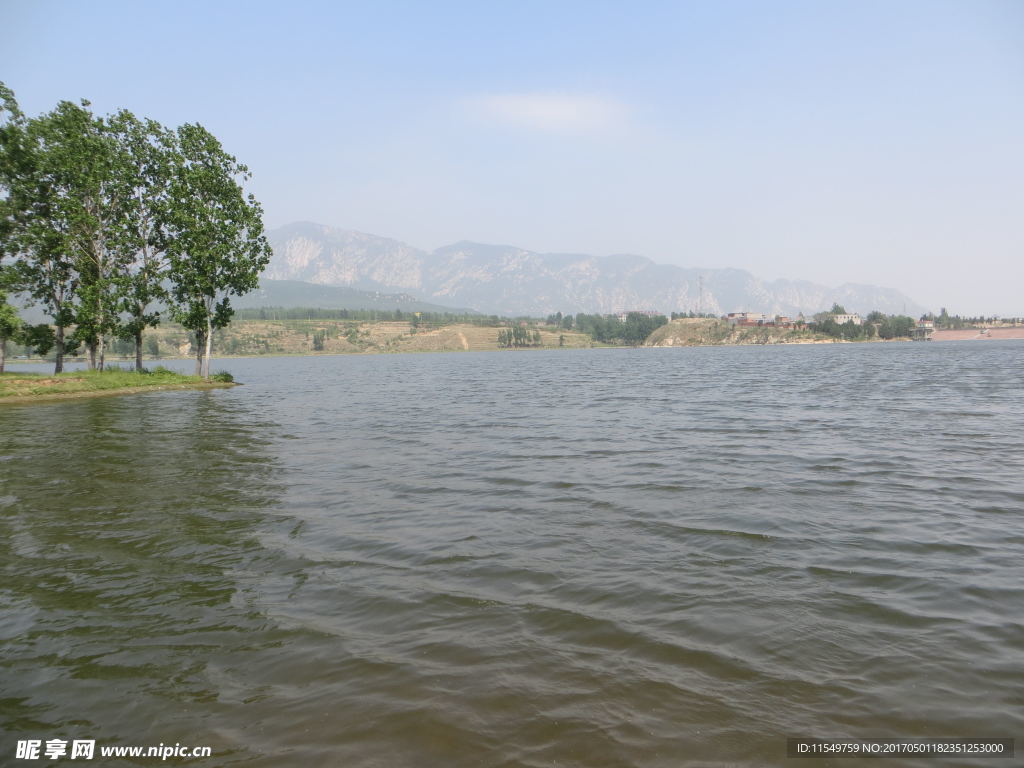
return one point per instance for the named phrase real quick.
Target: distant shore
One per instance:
(969, 334)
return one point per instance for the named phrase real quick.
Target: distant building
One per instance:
(645, 312)
(746, 318)
(848, 318)
(760, 319)
(923, 331)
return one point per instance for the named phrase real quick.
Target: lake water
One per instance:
(652, 557)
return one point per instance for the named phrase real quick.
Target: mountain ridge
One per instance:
(508, 280)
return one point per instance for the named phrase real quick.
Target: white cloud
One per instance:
(552, 112)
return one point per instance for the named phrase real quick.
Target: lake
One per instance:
(650, 557)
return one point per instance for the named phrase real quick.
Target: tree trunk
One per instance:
(138, 350)
(199, 353)
(209, 340)
(58, 366)
(3, 353)
(91, 346)
(101, 351)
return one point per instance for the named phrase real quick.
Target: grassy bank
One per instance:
(29, 387)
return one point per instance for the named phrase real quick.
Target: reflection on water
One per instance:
(128, 551)
(604, 558)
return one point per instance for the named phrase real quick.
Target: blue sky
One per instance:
(870, 142)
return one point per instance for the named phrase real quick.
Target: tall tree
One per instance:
(96, 197)
(10, 326)
(216, 243)
(12, 143)
(67, 188)
(34, 232)
(150, 151)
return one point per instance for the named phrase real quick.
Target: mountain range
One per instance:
(506, 280)
(293, 293)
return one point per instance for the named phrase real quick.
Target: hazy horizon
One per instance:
(869, 143)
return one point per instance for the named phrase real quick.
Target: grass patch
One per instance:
(29, 385)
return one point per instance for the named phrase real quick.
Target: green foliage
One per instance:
(956, 322)
(39, 339)
(217, 248)
(875, 324)
(518, 336)
(37, 212)
(896, 327)
(10, 326)
(318, 340)
(149, 149)
(223, 376)
(99, 214)
(10, 323)
(610, 330)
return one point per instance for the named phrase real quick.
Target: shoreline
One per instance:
(1014, 334)
(58, 396)
(21, 387)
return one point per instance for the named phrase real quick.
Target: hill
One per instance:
(505, 279)
(295, 293)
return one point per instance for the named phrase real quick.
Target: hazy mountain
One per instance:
(508, 280)
(294, 293)
(287, 294)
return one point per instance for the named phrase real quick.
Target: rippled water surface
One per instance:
(581, 558)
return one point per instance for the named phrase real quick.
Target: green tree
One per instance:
(216, 244)
(148, 158)
(10, 326)
(39, 339)
(86, 165)
(99, 185)
(36, 231)
(639, 326)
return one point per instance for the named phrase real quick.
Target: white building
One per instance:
(849, 318)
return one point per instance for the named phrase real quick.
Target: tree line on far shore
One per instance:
(875, 325)
(108, 221)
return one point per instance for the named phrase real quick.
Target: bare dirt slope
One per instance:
(694, 332)
(975, 334)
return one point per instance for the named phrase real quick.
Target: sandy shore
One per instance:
(972, 334)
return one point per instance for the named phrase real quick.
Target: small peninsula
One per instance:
(35, 387)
